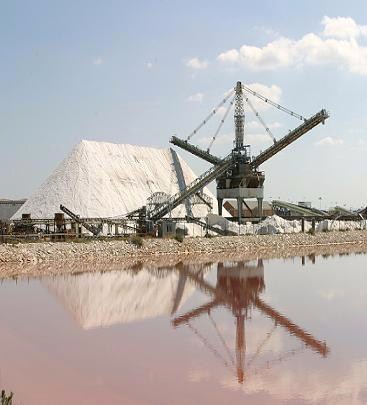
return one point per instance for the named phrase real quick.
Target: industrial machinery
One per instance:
(95, 230)
(237, 175)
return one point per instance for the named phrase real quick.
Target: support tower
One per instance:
(242, 181)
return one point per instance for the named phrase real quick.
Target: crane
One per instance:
(238, 175)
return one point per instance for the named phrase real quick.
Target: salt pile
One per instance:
(271, 225)
(336, 225)
(275, 225)
(229, 226)
(100, 179)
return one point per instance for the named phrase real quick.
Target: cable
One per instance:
(261, 346)
(221, 124)
(276, 105)
(210, 115)
(221, 338)
(209, 346)
(262, 122)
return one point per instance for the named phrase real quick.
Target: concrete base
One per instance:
(240, 192)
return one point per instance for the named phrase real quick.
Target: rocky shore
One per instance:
(59, 257)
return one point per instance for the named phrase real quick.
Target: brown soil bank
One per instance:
(35, 259)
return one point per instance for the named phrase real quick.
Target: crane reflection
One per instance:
(238, 288)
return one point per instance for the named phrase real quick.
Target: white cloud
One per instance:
(342, 27)
(196, 63)
(98, 61)
(197, 97)
(149, 65)
(329, 141)
(229, 56)
(337, 45)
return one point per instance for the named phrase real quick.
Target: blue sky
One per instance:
(138, 72)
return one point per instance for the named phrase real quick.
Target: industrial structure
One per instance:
(9, 207)
(249, 208)
(237, 177)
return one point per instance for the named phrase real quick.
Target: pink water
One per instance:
(260, 332)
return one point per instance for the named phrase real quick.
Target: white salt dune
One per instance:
(101, 179)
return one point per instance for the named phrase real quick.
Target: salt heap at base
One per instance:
(276, 225)
(269, 226)
(101, 179)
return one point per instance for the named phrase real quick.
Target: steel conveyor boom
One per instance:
(89, 227)
(195, 150)
(192, 188)
(310, 123)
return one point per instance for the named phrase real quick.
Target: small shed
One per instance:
(166, 228)
(9, 207)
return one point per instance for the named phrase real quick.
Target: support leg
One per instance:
(239, 210)
(220, 205)
(260, 207)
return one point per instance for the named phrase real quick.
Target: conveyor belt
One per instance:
(316, 119)
(192, 188)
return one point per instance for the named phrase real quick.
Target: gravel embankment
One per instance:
(16, 258)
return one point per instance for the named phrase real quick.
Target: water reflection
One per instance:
(224, 330)
(105, 299)
(238, 287)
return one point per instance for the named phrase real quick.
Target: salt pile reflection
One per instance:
(105, 299)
